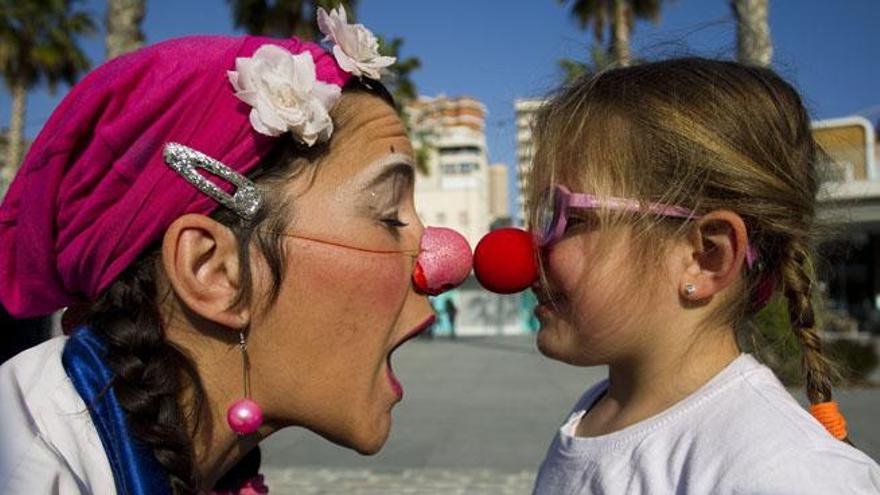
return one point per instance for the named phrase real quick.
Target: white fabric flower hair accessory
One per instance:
(356, 48)
(283, 89)
(285, 94)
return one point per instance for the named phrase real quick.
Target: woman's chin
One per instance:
(364, 438)
(371, 448)
(370, 441)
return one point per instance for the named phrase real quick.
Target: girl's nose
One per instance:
(444, 261)
(506, 261)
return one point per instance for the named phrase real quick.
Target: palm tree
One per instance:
(753, 43)
(284, 18)
(572, 70)
(619, 15)
(38, 42)
(402, 87)
(123, 23)
(398, 79)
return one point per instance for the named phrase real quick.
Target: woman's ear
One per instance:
(200, 257)
(717, 250)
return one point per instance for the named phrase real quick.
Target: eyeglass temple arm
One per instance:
(581, 200)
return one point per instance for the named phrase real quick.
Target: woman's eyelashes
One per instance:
(388, 199)
(392, 220)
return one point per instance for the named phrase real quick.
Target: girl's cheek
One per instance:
(564, 268)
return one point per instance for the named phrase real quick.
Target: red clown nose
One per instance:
(506, 261)
(444, 261)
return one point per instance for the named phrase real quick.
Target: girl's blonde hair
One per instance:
(705, 135)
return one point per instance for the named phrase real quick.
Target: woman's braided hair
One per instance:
(128, 319)
(151, 372)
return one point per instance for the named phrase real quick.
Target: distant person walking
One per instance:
(451, 312)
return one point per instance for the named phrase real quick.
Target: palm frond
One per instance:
(39, 41)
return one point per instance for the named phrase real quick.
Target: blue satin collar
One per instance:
(135, 468)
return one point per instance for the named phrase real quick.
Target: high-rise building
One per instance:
(498, 208)
(449, 137)
(461, 191)
(525, 116)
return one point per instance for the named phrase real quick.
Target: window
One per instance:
(454, 150)
(459, 168)
(468, 167)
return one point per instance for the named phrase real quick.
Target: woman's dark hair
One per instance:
(151, 372)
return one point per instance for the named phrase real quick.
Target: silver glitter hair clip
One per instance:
(184, 160)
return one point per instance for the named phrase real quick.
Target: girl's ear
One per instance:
(717, 250)
(200, 258)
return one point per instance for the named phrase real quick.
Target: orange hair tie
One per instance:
(830, 417)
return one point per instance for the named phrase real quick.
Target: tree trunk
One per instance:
(752, 32)
(124, 26)
(620, 38)
(15, 138)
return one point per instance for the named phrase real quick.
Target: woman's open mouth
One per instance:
(392, 378)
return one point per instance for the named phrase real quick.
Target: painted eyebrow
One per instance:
(399, 166)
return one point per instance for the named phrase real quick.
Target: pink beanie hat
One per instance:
(94, 190)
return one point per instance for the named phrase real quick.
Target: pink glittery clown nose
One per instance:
(444, 261)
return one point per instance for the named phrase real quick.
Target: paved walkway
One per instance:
(478, 416)
(324, 481)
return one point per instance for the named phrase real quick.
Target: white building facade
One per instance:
(464, 192)
(526, 110)
(498, 206)
(455, 193)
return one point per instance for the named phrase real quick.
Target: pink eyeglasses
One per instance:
(553, 213)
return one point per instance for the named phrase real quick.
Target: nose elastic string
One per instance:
(442, 262)
(414, 253)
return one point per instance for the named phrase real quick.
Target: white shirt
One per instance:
(48, 443)
(741, 433)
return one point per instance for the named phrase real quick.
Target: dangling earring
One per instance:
(244, 415)
(690, 289)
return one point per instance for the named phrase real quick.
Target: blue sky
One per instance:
(500, 50)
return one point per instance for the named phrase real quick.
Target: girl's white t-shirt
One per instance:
(741, 433)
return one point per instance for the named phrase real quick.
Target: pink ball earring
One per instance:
(244, 415)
